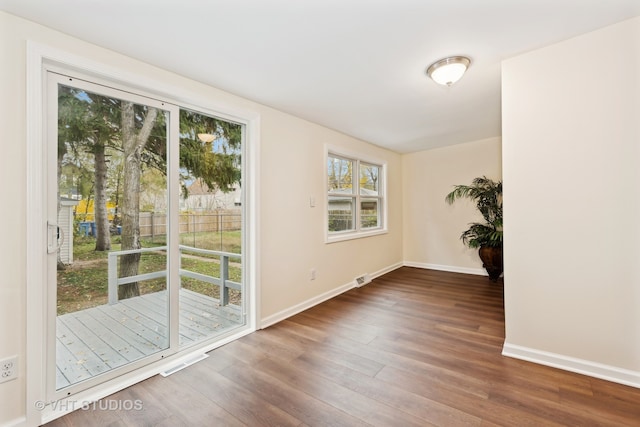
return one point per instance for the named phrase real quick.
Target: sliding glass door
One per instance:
(144, 232)
(109, 165)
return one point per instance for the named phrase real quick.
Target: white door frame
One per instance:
(40, 58)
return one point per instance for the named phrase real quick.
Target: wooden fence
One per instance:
(155, 224)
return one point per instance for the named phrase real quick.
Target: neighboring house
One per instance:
(202, 198)
(341, 209)
(65, 222)
(337, 203)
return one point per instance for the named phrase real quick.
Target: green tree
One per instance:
(133, 137)
(86, 124)
(209, 150)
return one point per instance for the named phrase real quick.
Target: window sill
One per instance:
(351, 235)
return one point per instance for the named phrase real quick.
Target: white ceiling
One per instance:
(357, 66)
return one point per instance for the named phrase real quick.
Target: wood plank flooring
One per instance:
(96, 340)
(413, 348)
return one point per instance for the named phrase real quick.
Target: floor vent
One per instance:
(183, 365)
(362, 280)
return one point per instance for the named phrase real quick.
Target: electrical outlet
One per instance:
(312, 275)
(8, 369)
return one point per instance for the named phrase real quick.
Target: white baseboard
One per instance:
(572, 364)
(585, 367)
(298, 308)
(386, 270)
(450, 268)
(281, 315)
(22, 421)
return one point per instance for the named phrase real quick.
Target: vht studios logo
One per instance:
(101, 405)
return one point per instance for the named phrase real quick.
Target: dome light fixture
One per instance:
(449, 70)
(206, 137)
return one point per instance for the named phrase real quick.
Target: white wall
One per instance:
(293, 232)
(571, 155)
(431, 227)
(291, 170)
(12, 252)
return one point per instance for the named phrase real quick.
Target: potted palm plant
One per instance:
(487, 236)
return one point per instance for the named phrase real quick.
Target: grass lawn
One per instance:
(84, 283)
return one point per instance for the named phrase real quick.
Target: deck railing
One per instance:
(223, 282)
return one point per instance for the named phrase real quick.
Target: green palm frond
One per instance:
(487, 195)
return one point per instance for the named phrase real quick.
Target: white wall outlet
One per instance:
(312, 274)
(8, 369)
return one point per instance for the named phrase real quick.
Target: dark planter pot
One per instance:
(492, 261)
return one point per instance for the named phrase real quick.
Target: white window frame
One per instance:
(40, 59)
(357, 232)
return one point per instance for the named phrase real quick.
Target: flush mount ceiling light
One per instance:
(449, 70)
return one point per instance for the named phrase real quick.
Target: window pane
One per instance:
(340, 175)
(341, 213)
(369, 213)
(210, 226)
(111, 174)
(369, 182)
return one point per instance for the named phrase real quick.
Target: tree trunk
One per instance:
(86, 206)
(101, 217)
(116, 217)
(133, 145)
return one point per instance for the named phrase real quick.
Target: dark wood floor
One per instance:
(413, 348)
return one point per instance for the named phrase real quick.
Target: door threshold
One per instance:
(184, 364)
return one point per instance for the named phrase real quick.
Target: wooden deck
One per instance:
(96, 340)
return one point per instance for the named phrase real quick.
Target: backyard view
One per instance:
(123, 195)
(113, 195)
(83, 284)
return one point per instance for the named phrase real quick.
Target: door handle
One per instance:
(55, 237)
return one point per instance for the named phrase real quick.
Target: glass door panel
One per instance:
(211, 232)
(111, 304)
